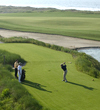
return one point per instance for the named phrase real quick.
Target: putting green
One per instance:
(44, 79)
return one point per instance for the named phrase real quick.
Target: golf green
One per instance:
(68, 23)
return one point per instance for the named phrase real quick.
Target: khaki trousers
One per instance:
(64, 75)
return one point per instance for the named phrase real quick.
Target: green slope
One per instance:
(44, 79)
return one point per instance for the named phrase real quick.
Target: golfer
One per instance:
(19, 71)
(63, 66)
(15, 66)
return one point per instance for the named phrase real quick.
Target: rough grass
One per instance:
(67, 23)
(88, 65)
(8, 58)
(13, 96)
(44, 79)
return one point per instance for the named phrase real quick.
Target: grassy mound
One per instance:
(13, 96)
(8, 58)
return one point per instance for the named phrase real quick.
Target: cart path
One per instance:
(64, 41)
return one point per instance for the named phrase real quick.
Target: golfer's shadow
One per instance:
(86, 87)
(35, 85)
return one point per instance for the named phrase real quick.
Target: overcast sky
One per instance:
(27, 2)
(36, 3)
(43, 2)
(61, 4)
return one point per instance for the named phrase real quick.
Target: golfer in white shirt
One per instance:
(19, 71)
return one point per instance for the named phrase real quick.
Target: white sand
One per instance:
(64, 41)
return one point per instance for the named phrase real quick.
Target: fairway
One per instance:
(66, 23)
(44, 79)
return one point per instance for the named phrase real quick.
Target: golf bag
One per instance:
(23, 75)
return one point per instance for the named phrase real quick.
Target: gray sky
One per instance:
(36, 3)
(60, 4)
(45, 2)
(27, 2)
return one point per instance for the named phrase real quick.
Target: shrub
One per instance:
(94, 72)
(5, 93)
(88, 65)
(65, 50)
(55, 47)
(48, 45)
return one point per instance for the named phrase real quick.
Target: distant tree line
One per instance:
(19, 9)
(28, 9)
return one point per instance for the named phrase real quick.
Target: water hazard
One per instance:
(94, 52)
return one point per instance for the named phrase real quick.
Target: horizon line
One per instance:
(57, 7)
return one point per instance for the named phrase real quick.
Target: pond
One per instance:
(94, 52)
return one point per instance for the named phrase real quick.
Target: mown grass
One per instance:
(43, 65)
(75, 24)
(13, 96)
(44, 79)
(83, 63)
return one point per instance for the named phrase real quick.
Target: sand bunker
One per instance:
(64, 41)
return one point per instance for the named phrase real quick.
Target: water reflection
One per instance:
(94, 52)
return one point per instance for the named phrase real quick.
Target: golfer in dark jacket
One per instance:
(63, 66)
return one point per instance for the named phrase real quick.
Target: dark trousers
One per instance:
(16, 72)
